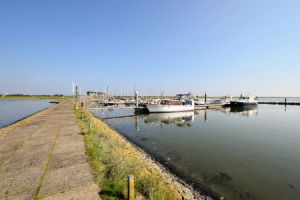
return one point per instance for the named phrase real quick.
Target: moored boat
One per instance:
(172, 106)
(200, 102)
(244, 101)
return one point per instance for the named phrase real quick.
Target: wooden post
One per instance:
(90, 125)
(285, 101)
(131, 187)
(136, 98)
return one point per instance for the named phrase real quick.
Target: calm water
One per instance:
(289, 99)
(252, 154)
(14, 110)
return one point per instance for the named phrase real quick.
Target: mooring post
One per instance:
(90, 125)
(131, 187)
(285, 101)
(136, 98)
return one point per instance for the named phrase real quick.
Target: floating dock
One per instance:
(281, 103)
(209, 106)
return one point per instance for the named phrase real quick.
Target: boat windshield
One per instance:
(188, 102)
(171, 102)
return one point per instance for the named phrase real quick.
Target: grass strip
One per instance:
(113, 159)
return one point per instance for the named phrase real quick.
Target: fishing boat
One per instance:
(244, 101)
(168, 105)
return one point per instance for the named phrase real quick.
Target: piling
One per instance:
(90, 125)
(131, 187)
(137, 98)
(285, 101)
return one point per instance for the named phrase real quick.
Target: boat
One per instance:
(225, 101)
(244, 101)
(200, 102)
(168, 105)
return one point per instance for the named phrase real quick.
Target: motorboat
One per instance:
(199, 102)
(170, 105)
(244, 101)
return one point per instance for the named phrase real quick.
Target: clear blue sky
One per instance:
(221, 47)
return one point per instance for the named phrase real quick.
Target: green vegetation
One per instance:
(113, 160)
(32, 97)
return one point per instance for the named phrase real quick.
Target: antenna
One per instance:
(121, 91)
(73, 88)
(162, 91)
(107, 91)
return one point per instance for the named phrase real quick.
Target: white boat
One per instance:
(245, 101)
(199, 101)
(223, 100)
(172, 106)
(154, 101)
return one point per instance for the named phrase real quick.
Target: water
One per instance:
(14, 110)
(280, 99)
(250, 154)
(106, 113)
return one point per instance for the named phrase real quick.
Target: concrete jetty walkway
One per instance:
(46, 159)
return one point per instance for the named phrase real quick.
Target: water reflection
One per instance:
(111, 112)
(251, 111)
(181, 119)
(245, 111)
(197, 112)
(238, 153)
(136, 123)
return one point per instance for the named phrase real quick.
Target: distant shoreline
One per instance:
(33, 97)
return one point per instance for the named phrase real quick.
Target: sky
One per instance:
(218, 47)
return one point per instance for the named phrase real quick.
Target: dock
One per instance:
(144, 110)
(46, 159)
(281, 103)
(208, 106)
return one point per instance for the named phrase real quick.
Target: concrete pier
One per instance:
(46, 159)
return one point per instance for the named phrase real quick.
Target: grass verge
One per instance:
(113, 159)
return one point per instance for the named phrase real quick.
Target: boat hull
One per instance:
(242, 104)
(170, 108)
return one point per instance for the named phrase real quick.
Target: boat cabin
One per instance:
(249, 98)
(176, 102)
